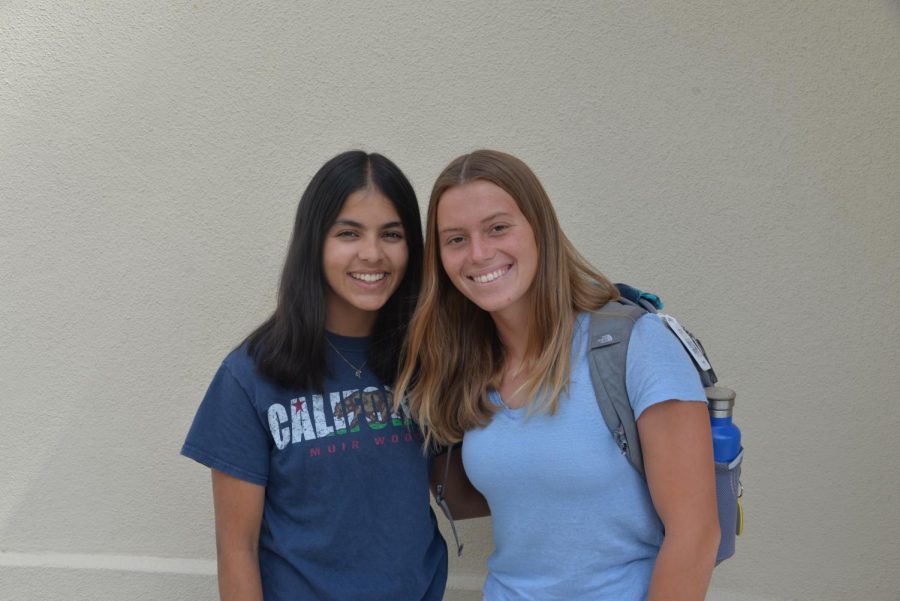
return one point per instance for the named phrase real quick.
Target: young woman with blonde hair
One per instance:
(496, 357)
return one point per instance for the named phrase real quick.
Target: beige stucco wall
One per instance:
(742, 159)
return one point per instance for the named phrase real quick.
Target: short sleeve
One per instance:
(227, 433)
(657, 367)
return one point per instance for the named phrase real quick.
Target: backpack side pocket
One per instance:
(728, 500)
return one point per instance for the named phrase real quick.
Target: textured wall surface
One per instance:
(739, 158)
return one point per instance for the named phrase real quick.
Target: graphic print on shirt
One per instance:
(349, 411)
(371, 402)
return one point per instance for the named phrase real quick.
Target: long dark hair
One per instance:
(289, 347)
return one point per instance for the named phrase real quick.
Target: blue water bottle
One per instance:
(728, 454)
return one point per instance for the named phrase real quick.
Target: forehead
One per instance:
(472, 202)
(368, 203)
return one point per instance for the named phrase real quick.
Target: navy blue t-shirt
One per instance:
(347, 512)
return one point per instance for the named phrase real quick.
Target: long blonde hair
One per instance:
(453, 355)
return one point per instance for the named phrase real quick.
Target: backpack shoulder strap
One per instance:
(610, 332)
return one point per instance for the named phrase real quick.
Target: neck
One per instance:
(513, 333)
(356, 327)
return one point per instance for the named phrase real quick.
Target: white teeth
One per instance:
(490, 277)
(368, 277)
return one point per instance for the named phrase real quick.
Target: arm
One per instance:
(238, 506)
(463, 499)
(678, 460)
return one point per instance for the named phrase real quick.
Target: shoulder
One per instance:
(650, 334)
(647, 331)
(240, 365)
(657, 366)
(236, 379)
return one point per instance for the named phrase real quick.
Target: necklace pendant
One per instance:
(357, 371)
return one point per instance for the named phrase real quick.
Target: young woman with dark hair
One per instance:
(496, 358)
(320, 487)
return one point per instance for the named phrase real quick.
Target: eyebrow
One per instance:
(488, 218)
(351, 223)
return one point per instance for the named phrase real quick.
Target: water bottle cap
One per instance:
(721, 400)
(720, 393)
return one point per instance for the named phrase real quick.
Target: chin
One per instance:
(371, 305)
(488, 307)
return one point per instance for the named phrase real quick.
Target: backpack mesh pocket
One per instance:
(728, 499)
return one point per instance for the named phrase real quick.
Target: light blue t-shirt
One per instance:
(572, 519)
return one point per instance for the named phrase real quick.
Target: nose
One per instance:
(370, 249)
(480, 250)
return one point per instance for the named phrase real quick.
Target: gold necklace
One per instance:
(357, 371)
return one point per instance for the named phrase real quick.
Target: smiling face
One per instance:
(487, 248)
(364, 259)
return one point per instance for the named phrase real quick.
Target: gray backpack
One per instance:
(610, 332)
